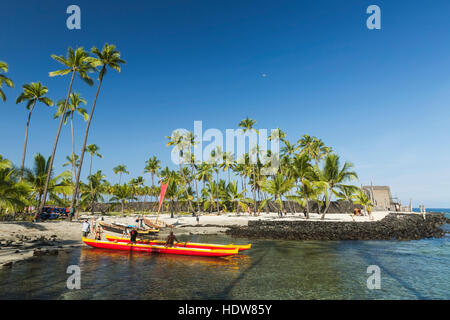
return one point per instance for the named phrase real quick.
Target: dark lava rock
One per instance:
(393, 226)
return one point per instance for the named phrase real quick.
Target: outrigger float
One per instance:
(159, 248)
(183, 244)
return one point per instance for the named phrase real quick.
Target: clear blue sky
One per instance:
(379, 98)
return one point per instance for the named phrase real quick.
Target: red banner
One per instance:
(163, 192)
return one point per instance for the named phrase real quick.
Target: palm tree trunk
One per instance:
(26, 140)
(307, 207)
(90, 167)
(186, 189)
(196, 188)
(73, 147)
(254, 191)
(327, 206)
(50, 166)
(153, 187)
(217, 190)
(75, 192)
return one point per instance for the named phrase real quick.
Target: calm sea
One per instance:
(270, 270)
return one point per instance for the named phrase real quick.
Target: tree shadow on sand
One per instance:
(30, 225)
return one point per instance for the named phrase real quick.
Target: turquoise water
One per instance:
(270, 270)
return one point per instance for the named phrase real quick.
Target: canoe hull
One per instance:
(182, 244)
(158, 249)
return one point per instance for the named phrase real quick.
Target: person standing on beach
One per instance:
(369, 211)
(85, 228)
(197, 218)
(70, 214)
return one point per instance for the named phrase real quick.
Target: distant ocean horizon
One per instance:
(442, 210)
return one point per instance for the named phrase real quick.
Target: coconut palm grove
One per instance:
(309, 171)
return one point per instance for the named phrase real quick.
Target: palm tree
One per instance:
(4, 79)
(74, 162)
(76, 62)
(363, 199)
(136, 184)
(119, 170)
(172, 178)
(204, 174)
(152, 165)
(210, 193)
(37, 177)
(288, 150)
(74, 106)
(92, 193)
(32, 93)
(277, 187)
(346, 192)
(278, 134)
(122, 193)
(235, 197)
(247, 125)
(194, 176)
(108, 57)
(93, 149)
(333, 175)
(13, 193)
(305, 145)
(307, 191)
(227, 163)
(303, 172)
(181, 142)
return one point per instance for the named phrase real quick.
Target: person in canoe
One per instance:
(133, 235)
(171, 239)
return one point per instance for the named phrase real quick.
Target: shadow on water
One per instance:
(226, 292)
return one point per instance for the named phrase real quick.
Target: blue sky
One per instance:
(378, 97)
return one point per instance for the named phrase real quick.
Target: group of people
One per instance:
(357, 213)
(132, 234)
(96, 228)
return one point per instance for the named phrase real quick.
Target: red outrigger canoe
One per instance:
(158, 248)
(183, 244)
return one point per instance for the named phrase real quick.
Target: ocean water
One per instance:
(442, 210)
(285, 270)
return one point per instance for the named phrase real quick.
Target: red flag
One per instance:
(163, 192)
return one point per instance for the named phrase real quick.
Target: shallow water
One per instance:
(270, 270)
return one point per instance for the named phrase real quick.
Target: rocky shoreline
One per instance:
(393, 226)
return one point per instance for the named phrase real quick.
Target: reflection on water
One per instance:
(270, 270)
